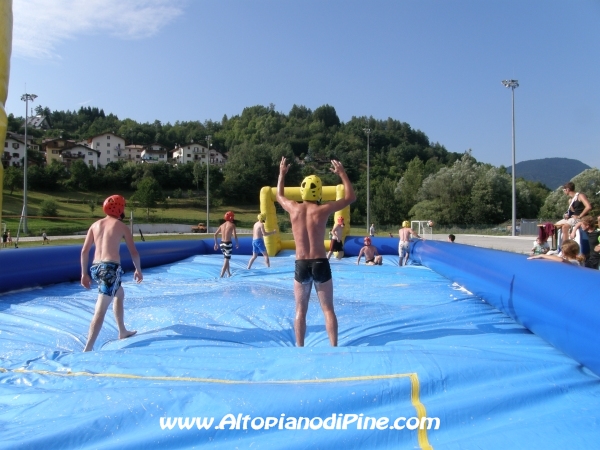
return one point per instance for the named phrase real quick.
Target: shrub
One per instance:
(49, 208)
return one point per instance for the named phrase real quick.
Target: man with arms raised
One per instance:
(309, 220)
(106, 270)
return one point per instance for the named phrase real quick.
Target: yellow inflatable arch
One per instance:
(274, 243)
(5, 48)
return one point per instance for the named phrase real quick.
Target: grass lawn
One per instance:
(75, 213)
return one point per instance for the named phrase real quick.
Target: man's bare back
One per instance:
(406, 233)
(309, 221)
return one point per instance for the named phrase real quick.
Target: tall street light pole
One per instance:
(513, 84)
(368, 131)
(26, 98)
(208, 137)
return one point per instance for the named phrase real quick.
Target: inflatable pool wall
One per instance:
(556, 301)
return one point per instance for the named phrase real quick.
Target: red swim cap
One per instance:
(367, 240)
(229, 216)
(114, 206)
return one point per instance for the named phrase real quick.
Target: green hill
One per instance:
(553, 172)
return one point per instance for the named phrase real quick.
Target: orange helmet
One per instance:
(114, 206)
(367, 240)
(229, 216)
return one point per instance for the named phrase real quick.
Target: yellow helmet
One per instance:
(261, 217)
(406, 224)
(311, 189)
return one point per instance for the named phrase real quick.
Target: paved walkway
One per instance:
(516, 244)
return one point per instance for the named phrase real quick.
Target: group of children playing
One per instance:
(308, 219)
(228, 230)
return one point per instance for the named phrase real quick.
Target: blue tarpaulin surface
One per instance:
(411, 344)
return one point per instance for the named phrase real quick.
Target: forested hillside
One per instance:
(552, 172)
(410, 177)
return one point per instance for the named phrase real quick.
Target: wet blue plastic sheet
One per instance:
(411, 343)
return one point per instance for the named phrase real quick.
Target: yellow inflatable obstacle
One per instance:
(274, 243)
(5, 48)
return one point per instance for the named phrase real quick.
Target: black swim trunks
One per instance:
(308, 270)
(336, 246)
(226, 248)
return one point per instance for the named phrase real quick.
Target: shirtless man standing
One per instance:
(258, 243)
(405, 234)
(227, 229)
(309, 220)
(372, 256)
(106, 270)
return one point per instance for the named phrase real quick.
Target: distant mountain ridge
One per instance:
(553, 172)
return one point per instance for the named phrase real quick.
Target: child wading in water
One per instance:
(106, 270)
(258, 243)
(227, 229)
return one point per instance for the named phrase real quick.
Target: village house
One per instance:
(154, 153)
(14, 149)
(79, 151)
(53, 147)
(191, 152)
(109, 145)
(132, 153)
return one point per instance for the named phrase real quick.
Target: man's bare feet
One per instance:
(127, 334)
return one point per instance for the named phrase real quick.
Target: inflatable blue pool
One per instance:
(467, 348)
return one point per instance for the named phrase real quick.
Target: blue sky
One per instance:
(437, 65)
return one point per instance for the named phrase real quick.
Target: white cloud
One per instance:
(40, 26)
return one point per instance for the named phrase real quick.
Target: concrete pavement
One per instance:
(516, 244)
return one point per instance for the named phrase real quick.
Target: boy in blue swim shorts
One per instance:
(258, 242)
(106, 234)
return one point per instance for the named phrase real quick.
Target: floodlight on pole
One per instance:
(368, 131)
(208, 137)
(26, 98)
(513, 84)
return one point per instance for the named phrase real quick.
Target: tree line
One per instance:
(410, 177)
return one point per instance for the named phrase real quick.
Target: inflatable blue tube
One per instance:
(31, 267)
(556, 301)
